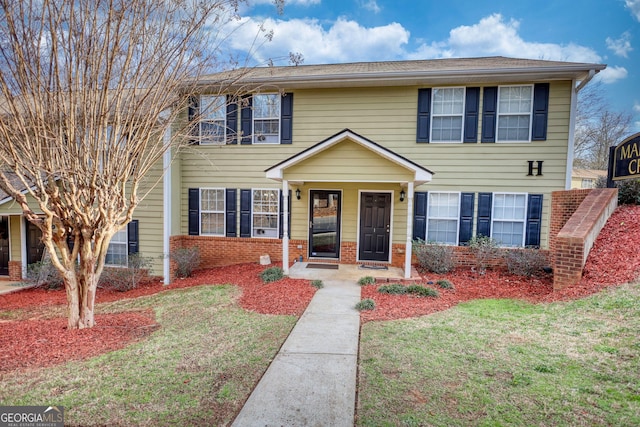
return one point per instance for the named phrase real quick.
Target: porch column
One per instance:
(409, 245)
(285, 226)
(166, 208)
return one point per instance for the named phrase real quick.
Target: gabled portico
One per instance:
(376, 182)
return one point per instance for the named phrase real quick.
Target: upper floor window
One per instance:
(509, 215)
(515, 105)
(266, 118)
(213, 125)
(447, 114)
(118, 249)
(265, 212)
(212, 211)
(442, 217)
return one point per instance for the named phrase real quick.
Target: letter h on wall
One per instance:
(538, 167)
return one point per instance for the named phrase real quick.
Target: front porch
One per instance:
(322, 271)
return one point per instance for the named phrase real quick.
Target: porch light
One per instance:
(298, 193)
(402, 194)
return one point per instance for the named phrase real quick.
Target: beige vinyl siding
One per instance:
(149, 214)
(15, 238)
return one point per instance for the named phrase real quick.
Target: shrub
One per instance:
(434, 257)
(629, 192)
(186, 260)
(43, 273)
(317, 284)
(125, 278)
(393, 288)
(525, 262)
(365, 304)
(484, 249)
(422, 291)
(444, 284)
(272, 274)
(366, 280)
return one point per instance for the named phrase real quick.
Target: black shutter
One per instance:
(471, 112)
(420, 215)
(466, 218)
(194, 211)
(246, 119)
(489, 114)
(286, 118)
(281, 214)
(424, 111)
(534, 220)
(540, 111)
(194, 124)
(132, 237)
(245, 213)
(232, 121)
(483, 226)
(231, 209)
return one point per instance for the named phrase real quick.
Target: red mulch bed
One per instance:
(35, 343)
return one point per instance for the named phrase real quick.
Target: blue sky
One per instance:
(329, 31)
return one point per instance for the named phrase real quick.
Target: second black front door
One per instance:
(375, 226)
(324, 224)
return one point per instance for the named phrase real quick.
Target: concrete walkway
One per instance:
(312, 380)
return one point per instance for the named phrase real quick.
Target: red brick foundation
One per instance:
(563, 206)
(15, 270)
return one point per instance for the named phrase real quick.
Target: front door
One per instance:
(4, 245)
(35, 247)
(324, 224)
(375, 226)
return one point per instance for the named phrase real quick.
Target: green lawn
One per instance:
(197, 369)
(505, 362)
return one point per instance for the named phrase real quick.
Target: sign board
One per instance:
(624, 162)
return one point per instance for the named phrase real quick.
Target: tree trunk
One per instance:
(81, 288)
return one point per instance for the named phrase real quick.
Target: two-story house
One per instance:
(351, 162)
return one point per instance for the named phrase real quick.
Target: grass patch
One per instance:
(506, 362)
(317, 284)
(197, 369)
(366, 280)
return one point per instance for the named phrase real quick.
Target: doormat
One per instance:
(323, 266)
(374, 267)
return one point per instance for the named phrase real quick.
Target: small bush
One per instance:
(366, 304)
(125, 278)
(434, 257)
(186, 259)
(629, 192)
(525, 262)
(393, 288)
(422, 291)
(272, 274)
(366, 280)
(444, 284)
(484, 250)
(44, 274)
(317, 284)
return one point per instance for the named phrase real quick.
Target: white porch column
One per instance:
(409, 245)
(166, 209)
(285, 226)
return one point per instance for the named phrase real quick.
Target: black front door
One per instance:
(4, 245)
(375, 226)
(324, 224)
(35, 247)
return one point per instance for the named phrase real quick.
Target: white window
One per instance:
(515, 106)
(447, 114)
(213, 125)
(587, 183)
(265, 212)
(508, 218)
(118, 249)
(266, 118)
(212, 211)
(443, 213)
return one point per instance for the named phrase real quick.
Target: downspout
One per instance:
(572, 134)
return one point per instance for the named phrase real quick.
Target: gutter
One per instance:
(584, 82)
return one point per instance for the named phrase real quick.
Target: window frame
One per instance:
(266, 213)
(511, 220)
(429, 217)
(255, 137)
(434, 115)
(124, 230)
(215, 121)
(500, 114)
(207, 211)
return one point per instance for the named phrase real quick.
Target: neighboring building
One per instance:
(351, 162)
(586, 178)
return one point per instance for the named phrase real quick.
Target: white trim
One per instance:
(572, 135)
(285, 227)
(514, 114)
(253, 120)
(253, 212)
(166, 208)
(426, 231)
(409, 244)
(203, 120)
(462, 115)
(309, 201)
(524, 221)
(224, 211)
(23, 245)
(368, 190)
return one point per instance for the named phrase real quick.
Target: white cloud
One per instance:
(636, 107)
(621, 46)
(634, 7)
(371, 5)
(612, 74)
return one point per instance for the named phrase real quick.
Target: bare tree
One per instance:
(89, 89)
(597, 129)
